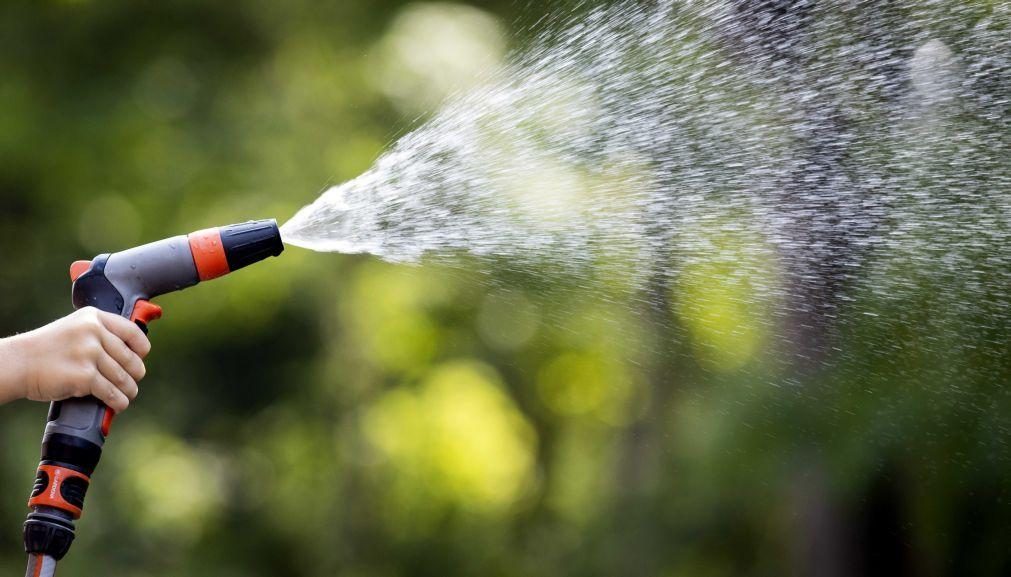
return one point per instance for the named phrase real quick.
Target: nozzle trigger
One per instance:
(144, 313)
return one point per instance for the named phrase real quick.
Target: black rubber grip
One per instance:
(73, 490)
(250, 242)
(74, 452)
(41, 482)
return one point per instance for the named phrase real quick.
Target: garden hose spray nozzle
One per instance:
(122, 283)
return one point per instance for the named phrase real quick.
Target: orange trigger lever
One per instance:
(145, 312)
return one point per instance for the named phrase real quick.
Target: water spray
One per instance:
(121, 283)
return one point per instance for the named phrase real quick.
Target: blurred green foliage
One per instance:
(327, 414)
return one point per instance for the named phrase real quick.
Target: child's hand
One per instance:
(89, 352)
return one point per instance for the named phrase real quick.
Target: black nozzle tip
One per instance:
(250, 242)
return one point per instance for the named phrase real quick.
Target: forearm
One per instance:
(13, 383)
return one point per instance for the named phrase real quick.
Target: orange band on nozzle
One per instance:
(60, 488)
(209, 254)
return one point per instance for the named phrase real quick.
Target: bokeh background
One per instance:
(325, 414)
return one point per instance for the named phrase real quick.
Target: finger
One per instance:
(103, 389)
(117, 375)
(128, 332)
(123, 355)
